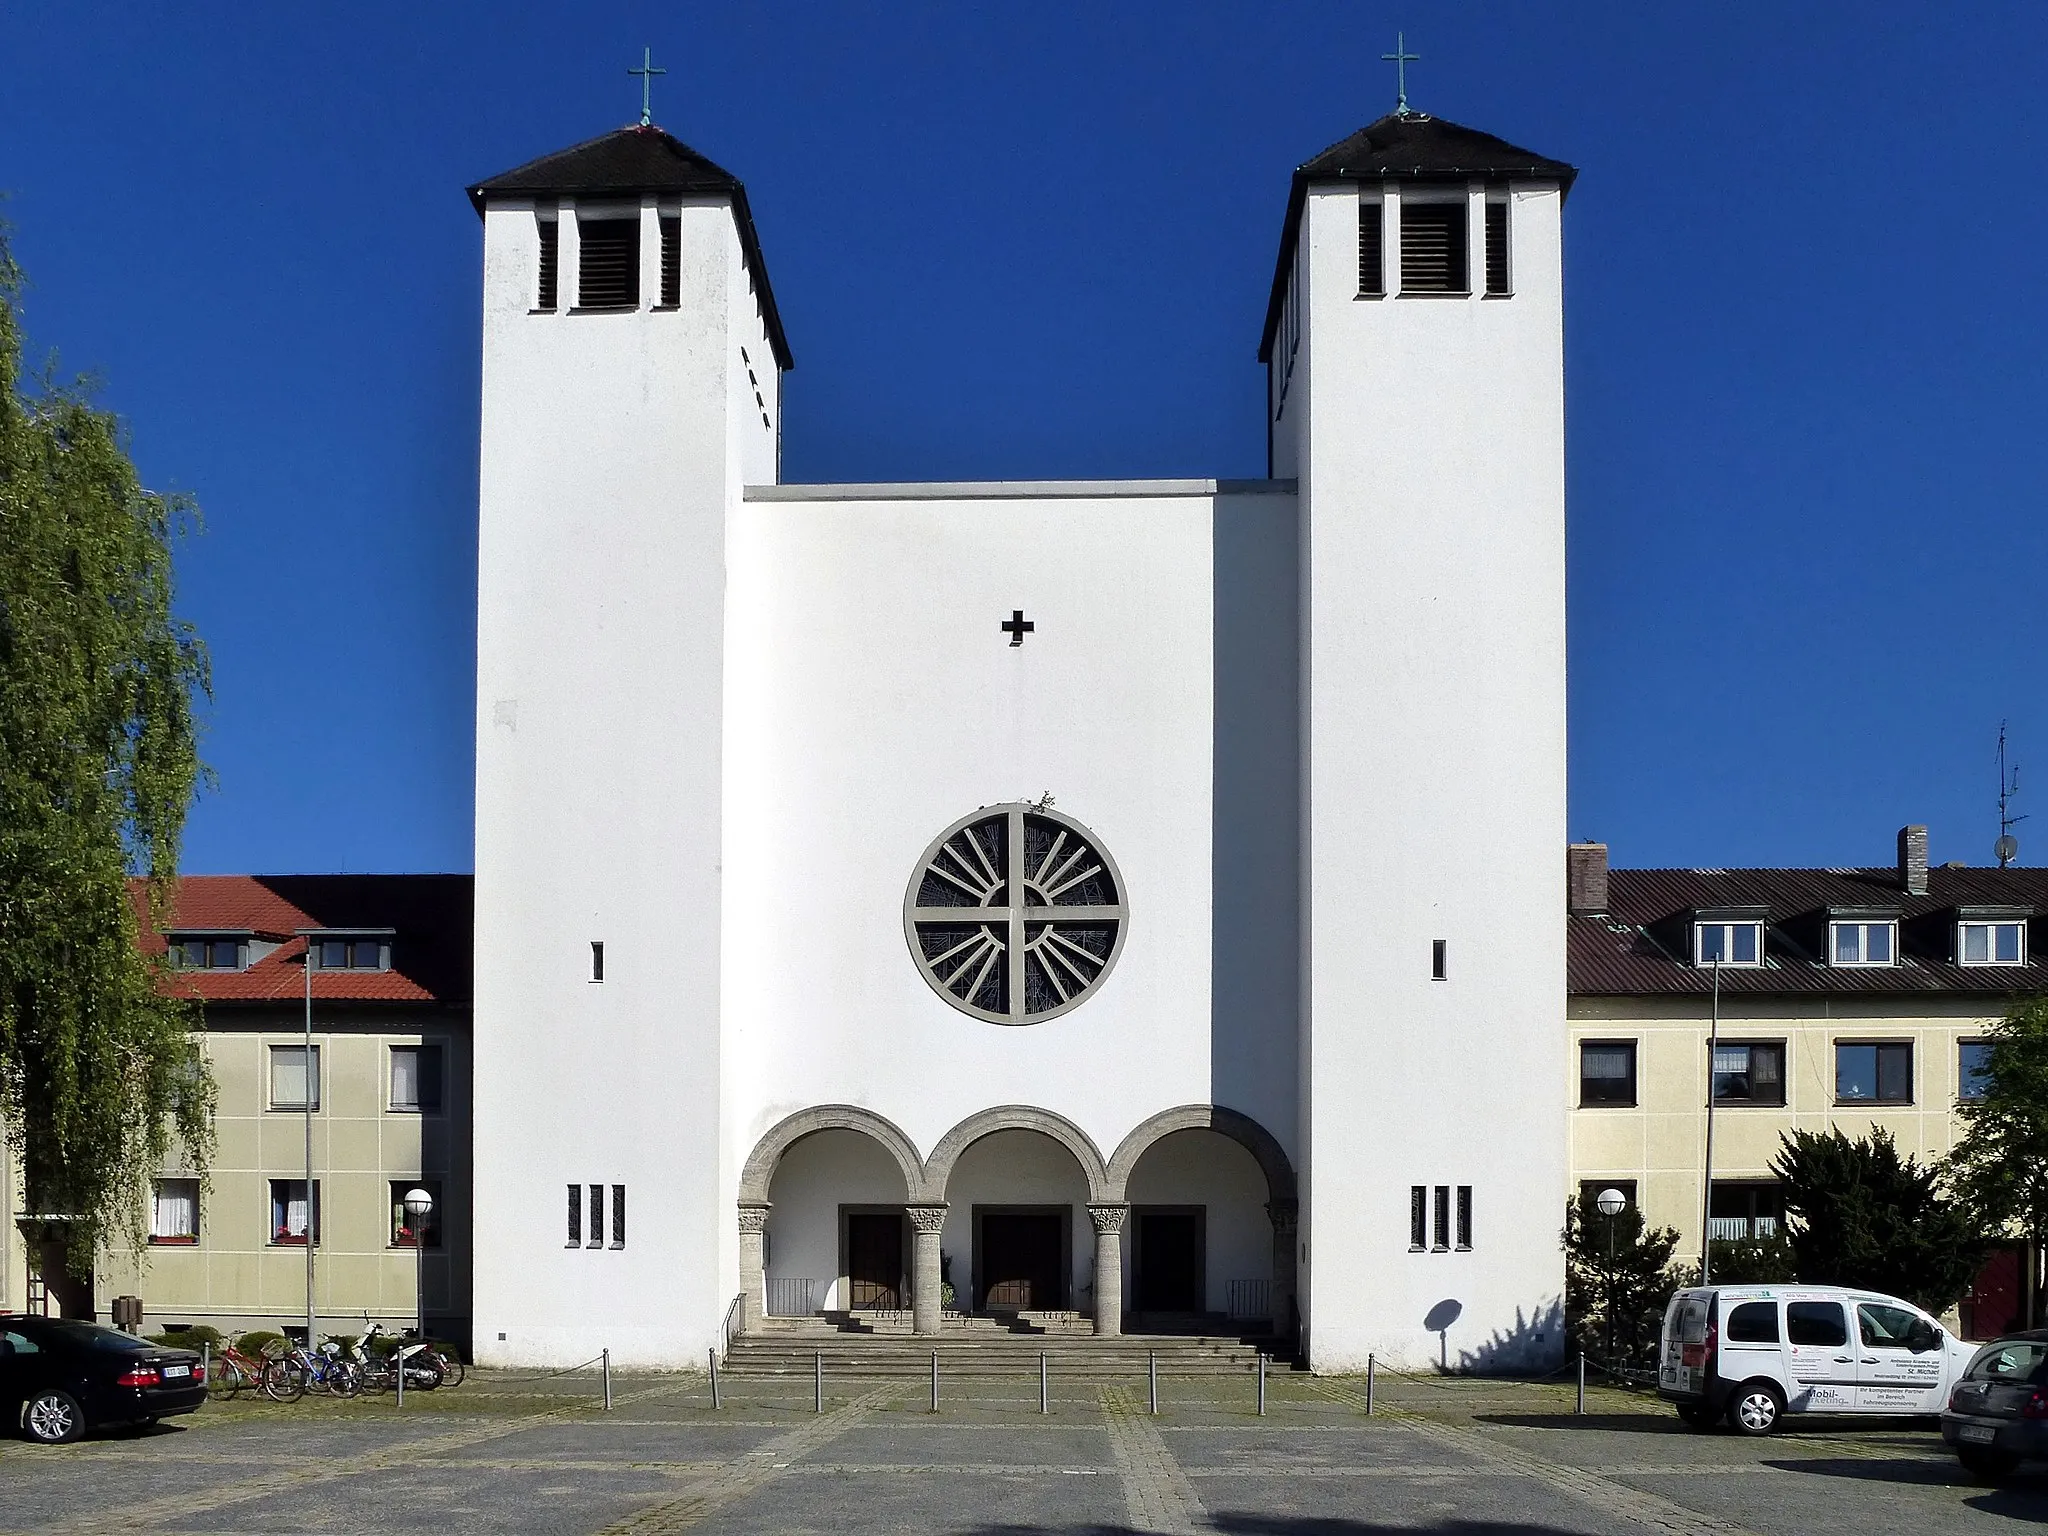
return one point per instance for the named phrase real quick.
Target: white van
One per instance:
(1753, 1353)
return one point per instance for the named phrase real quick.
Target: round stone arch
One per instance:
(938, 1168)
(759, 1171)
(1240, 1128)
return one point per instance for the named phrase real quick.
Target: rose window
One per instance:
(1016, 914)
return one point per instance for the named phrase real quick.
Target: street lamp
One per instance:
(1612, 1202)
(418, 1203)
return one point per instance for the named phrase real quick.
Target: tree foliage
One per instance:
(1754, 1260)
(98, 763)
(1999, 1167)
(1862, 1215)
(1619, 1272)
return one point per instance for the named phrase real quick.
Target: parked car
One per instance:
(60, 1377)
(1997, 1416)
(1750, 1354)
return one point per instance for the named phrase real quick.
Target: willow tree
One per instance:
(99, 1072)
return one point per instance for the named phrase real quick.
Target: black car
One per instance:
(60, 1377)
(1997, 1416)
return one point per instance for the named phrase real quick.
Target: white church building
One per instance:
(1135, 899)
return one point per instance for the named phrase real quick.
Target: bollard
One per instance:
(818, 1383)
(607, 1357)
(715, 1403)
(1369, 1364)
(935, 1381)
(1044, 1398)
(1582, 1381)
(206, 1363)
(398, 1366)
(1152, 1378)
(1262, 1383)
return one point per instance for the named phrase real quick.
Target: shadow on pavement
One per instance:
(2018, 1498)
(1243, 1524)
(1873, 1469)
(1622, 1423)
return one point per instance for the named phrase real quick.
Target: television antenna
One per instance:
(2007, 848)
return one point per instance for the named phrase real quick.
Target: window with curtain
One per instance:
(291, 1085)
(288, 1212)
(416, 1077)
(1607, 1072)
(174, 1211)
(402, 1234)
(1749, 1073)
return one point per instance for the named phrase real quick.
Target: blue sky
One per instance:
(1805, 311)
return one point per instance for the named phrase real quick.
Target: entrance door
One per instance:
(874, 1262)
(1022, 1261)
(1169, 1261)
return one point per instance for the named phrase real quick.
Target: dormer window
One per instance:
(352, 952)
(209, 951)
(1739, 942)
(1863, 941)
(1991, 942)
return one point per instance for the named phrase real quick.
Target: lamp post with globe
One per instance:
(1612, 1202)
(418, 1205)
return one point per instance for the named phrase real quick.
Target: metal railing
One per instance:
(792, 1297)
(731, 1327)
(1740, 1229)
(1248, 1298)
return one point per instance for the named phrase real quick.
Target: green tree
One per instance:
(1755, 1260)
(1618, 1278)
(1862, 1215)
(1999, 1168)
(98, 763)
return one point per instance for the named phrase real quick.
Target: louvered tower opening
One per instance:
(1497, 248)
(671, 260)
(1372, 249)
(1433, 248)
(550, 266)
(608, 274)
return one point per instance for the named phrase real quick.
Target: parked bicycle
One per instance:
(324, 1372)
(381, 1368)
(235, 1370)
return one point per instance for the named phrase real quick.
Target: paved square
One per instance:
(1456, 1457)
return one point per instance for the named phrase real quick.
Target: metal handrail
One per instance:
(729, 1327)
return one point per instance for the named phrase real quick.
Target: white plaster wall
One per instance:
(605, 482)
(1207, 1169)
(1018, 1168)
(817, 1175)
(1433, 588)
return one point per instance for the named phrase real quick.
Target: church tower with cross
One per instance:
(911, 910)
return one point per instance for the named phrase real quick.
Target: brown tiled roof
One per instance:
(430, 948)
(1640, 946)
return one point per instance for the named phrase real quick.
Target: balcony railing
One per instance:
(1741, 1229)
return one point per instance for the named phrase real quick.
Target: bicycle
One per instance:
(233, 1372)
(323, 1371)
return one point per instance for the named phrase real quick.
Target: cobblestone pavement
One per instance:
(1453, 1456)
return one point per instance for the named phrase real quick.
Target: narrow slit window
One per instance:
(596, 1216)
(608, 272)
(597, 959)
(1442, 1235)
(1439, 959)
(1433, 248)
(1464, 1218)
(575, 1215)
(1372, 247)
(618, 1215)
(1497, 248)
(671, 260)
(1418, 1217)
(550, 263)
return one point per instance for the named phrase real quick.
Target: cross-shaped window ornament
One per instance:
(1017, 627)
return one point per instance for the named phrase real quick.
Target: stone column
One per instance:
(927, 1304)
(1109, 1267)
(753, 1272)
(1283, 1214)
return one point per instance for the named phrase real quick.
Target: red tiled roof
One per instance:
(1639, 947)
(430, 950)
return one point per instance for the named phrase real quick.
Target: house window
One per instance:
(174, 1211)
(1433, 247)
(1973, 1061)
(597, 959)
(608, 274)
(1439, 959)
(1749, 1073)
(1497, 248)
(596, 1217)
(416, 1078)
(1607, 1072)
(618, 1215)
(575, 1216)
(1440, 1228)
(288, 1211)
(1372, 240)
(402, 1235)
(1464, 1218)
(361, 953)
(194, 952)
(550, 263)
(1744, 1212)
(671, 260)
(1589, 1193)
(1991, 943)
(291, 1085)
(1862, 943)
(1873, 1074)
(1729, 943)
(1418, 1217)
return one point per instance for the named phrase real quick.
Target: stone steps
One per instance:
(968, 1352)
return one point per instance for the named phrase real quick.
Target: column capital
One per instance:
(1283, 1213)
(927, 1218)
(754, 1215)
(1108, 1219)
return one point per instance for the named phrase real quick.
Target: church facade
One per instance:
(1135, 899)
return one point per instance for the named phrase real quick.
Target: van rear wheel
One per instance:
(1756, 1408)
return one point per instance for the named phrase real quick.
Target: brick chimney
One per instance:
(1585, 877)
(1913, 860)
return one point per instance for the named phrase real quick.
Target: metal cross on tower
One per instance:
(1017, 627)
(1401, 58)
(646, 72)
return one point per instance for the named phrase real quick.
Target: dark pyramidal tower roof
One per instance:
(1404, 146)
(630, 163)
